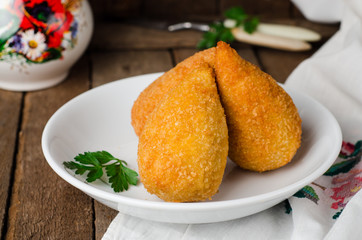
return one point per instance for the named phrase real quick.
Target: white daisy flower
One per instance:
(34, 44)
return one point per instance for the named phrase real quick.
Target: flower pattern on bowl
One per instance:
(37, 31)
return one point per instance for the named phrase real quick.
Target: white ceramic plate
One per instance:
(99, 119)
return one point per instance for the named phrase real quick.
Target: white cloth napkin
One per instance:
(324, 11)
(330, 207)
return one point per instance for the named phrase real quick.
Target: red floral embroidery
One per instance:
(347, 148)
(346, 179)
(351, 184)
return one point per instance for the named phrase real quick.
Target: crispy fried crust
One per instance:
(183, 148)
(263, 122)
(151, 96)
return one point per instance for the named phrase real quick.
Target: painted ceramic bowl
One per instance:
(40, 40)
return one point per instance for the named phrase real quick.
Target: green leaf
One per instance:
(307, 192)
(337, 214)
(119, 176)
(74, 165)
(357, 149)
(70, 165)
(94, 174)
(202, 44)
(236, 13)
(131, 175)
(111, 170)
(358, 146)
(42, 17)
(87, 158)
(115, 177)
(218, 32)
(209, 40)
(103, 156)
(53, 54)
(227, 36)
(342, 167)
(124, 180)
(251, 25)
(2, 46)
(211, 36)
(288, 207)
(81, 171)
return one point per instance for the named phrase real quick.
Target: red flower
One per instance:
(347, 186)
(47, 16)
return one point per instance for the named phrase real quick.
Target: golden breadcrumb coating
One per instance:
(183, 148)
(151, 96)
(263, 122)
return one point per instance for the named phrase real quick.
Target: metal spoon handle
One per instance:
(189, 25)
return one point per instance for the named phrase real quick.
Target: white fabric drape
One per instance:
(333, 76)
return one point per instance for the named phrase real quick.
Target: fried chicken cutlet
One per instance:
(150, 97)
(183, 148)
(263, 122)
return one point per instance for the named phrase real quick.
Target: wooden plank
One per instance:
(125, 36)
(104, 216)
(280, 64)
(181, 54)
(243, 50)
(43, 206)
(296, 13)
(277, 63)
(115, 9)
(248, 54)
(181, 10)
(10, 108)
(97, 9)
(262, 8)
(110, 66)
(121, 36)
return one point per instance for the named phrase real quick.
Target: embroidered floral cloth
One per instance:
(331, 206)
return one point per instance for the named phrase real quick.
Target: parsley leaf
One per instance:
(216, 33)
(119, 176)
(219, 32)
(251, 24)
(236, 13)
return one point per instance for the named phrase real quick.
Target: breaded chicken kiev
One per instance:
(183, 148)
(263, 122)
(150, 97)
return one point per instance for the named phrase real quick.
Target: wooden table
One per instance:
(37, 204)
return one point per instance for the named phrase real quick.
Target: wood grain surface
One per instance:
(188, 9)
(10, 112)
(43, 206)
(35, 203)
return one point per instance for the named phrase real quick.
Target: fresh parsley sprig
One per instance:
(219, 32)
(119, 176)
